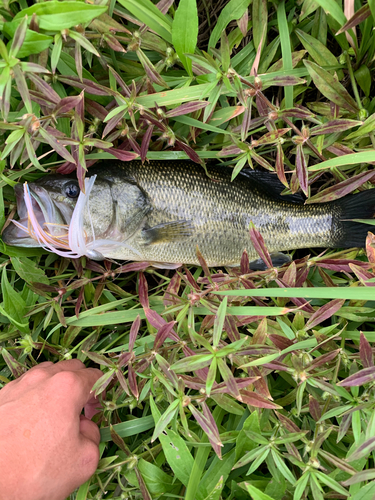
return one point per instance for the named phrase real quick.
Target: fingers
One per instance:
(73, 387)
(89, 430)
(88, 458)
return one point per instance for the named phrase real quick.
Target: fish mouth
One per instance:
(39, 215)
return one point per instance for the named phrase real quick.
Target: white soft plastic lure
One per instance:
(72, 240)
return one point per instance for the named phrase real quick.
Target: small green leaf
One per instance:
(150, 15)
(233, 10)
(56, 16)
(164, 420)
(14, 305)
(27, 269)
(185, 31)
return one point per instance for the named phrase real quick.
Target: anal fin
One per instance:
(278, 259)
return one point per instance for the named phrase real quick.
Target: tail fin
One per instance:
(354, 206)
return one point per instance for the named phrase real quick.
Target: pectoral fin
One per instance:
(167, 232)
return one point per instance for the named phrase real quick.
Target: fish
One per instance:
(163, 211)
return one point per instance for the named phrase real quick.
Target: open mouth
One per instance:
(41, 222)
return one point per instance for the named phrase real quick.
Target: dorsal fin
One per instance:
(270, 184)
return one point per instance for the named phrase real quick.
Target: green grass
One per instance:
(242, 384)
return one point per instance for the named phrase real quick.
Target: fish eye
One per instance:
(72, 190)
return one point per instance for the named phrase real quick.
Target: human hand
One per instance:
(47, 448)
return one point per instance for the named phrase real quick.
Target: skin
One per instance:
(48, 449)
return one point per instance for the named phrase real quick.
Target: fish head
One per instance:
(53, 199)
(56, 215)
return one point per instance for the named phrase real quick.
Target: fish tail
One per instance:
(354, 208)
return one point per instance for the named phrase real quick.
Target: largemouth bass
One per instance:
(162, 211)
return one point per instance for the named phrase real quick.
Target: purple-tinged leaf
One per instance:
(44, 88)
(15, 367)
(189, 151)
(301, 169)
(244, 266)
(143, 290)
(142, 485)
(365, 352)
(360, 378)
(229, 379)
(362, 451)
(280, 164)
(150, 69)
(132, 267)
(253, 399)
(287, 423)
(192, 363)
(297, 112)
(33, 68)
(203, 264)
(361, 15)
(243, 22)
(337, 462)
(323, 359)
(146, 142)
(330, 87)
(260, 334)
(370, 247)
(56, 145)
(122, 381)
(342, 189)
(210, 428)
(261, 161)
(186, 108)
(126, 90)
(113, 121)
(259, 245)
(100, 359)
(132, 379)
(334, 126)
(280, 341)
(87, 85)
(122, 155)
(157, 322)
(339, 149)
(134, 145)
(285, 81)
(134, 332)
(22, 87)
(270, 137)
(324, 313)
(79, 302)
(18, 38)
(170, 296)
(260, 385)
(40, 99)
(96, 110)
(231, 150)
(344, 426)
(67, 103)
(113, 43)
(163, 333)
(362, 275)
(189, 277)
(231, 329)
(359, 477)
